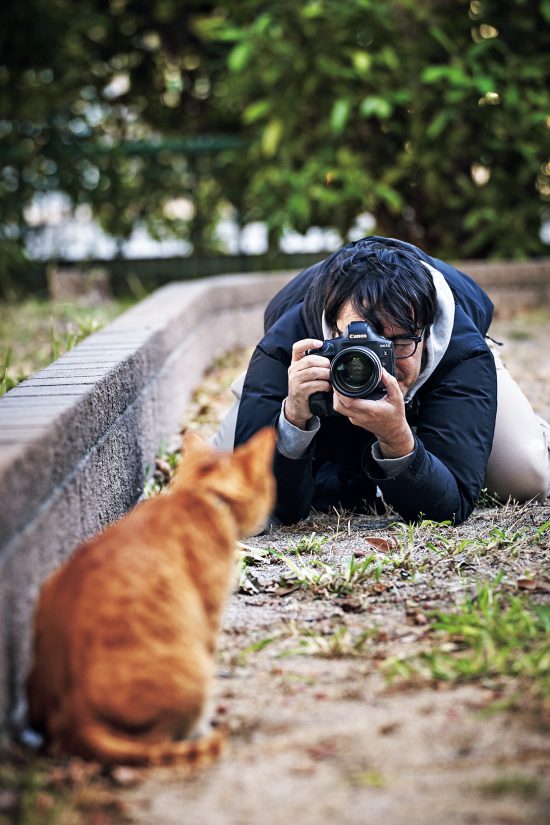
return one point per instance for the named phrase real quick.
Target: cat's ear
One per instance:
(194, 452)
(193, 445)
(259, 448)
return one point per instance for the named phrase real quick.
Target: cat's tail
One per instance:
(111, 748)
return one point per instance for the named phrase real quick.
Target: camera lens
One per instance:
(356, 372)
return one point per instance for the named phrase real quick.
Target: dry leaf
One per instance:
(525, 583)
(381, 544)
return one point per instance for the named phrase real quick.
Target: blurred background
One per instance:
(147, 140)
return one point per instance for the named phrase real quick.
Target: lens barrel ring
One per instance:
(355, 371)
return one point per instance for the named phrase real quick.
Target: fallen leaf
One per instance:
(381, 544)
(525, 583)
(389, 728)
(163, 467)
(349, 604)
(323, 750)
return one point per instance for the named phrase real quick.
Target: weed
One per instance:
(488, 500)
(404, 563)
(367, 779)
(443, 539)
(519, 335)
(75, 332)
(37, 331)
(246, 581)
(340, 516)
(513, 540)
(6, 382)
(492, 635)
(253, 555)
(322, 578)
(308, 544)
(425, 535)
(37, 792)
(241, 657)
(338, 645)
(166, 462)
(526, 787)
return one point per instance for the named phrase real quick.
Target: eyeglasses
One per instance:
(405, 346)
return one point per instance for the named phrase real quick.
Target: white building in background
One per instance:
(71, 234)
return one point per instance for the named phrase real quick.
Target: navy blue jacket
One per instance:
(452, 416)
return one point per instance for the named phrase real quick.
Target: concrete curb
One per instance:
(77, 437)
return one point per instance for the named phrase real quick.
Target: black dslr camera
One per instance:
(356, 365)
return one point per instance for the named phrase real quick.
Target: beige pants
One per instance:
(519, 464)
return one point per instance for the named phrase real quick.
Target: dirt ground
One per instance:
(328, 740)
(316, 731)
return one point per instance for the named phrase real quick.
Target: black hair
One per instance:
(385, 285)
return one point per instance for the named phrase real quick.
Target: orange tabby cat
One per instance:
(126, 630)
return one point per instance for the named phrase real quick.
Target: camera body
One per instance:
(357, 359)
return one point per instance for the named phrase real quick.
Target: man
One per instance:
(426, 446)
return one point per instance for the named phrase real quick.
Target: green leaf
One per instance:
(443, 39)
(390, 196)
(271, 137)
(373, 106)
(262, 23)
(484, 84)
(215, 28)
(312, 10)
(438, 123)
(545, 10)
(453, 74)
(390, 58)
(299, 206)
(362, 61)
(339, 115)
(239, 57)
(256, 111)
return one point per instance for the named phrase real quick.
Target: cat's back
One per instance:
(130, 576)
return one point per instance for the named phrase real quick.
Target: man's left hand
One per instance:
(385, 418)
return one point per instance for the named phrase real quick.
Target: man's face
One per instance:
(407, 370)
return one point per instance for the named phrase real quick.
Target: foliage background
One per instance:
(432, 115)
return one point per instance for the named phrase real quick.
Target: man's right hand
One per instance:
(307, 374)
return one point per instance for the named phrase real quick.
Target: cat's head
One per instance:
(242, 480)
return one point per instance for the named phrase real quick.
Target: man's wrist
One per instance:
(292, 442)
(398, 446)
(294, 418)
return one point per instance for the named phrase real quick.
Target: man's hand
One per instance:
(307, 374)
(385, 418)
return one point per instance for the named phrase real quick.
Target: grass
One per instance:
(526, 787)
(34, 333)
(342, 644)
(308, 544)
(321, 578)
(368, 779)
(166, 462)
(492, 635)
(45, 792)
(421, 545)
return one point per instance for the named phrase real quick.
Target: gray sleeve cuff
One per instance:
(391, 467)
(292, 442)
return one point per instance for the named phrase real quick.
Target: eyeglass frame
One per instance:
(416, 340)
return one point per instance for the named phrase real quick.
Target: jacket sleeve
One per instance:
(453, 443)
(264, 389)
